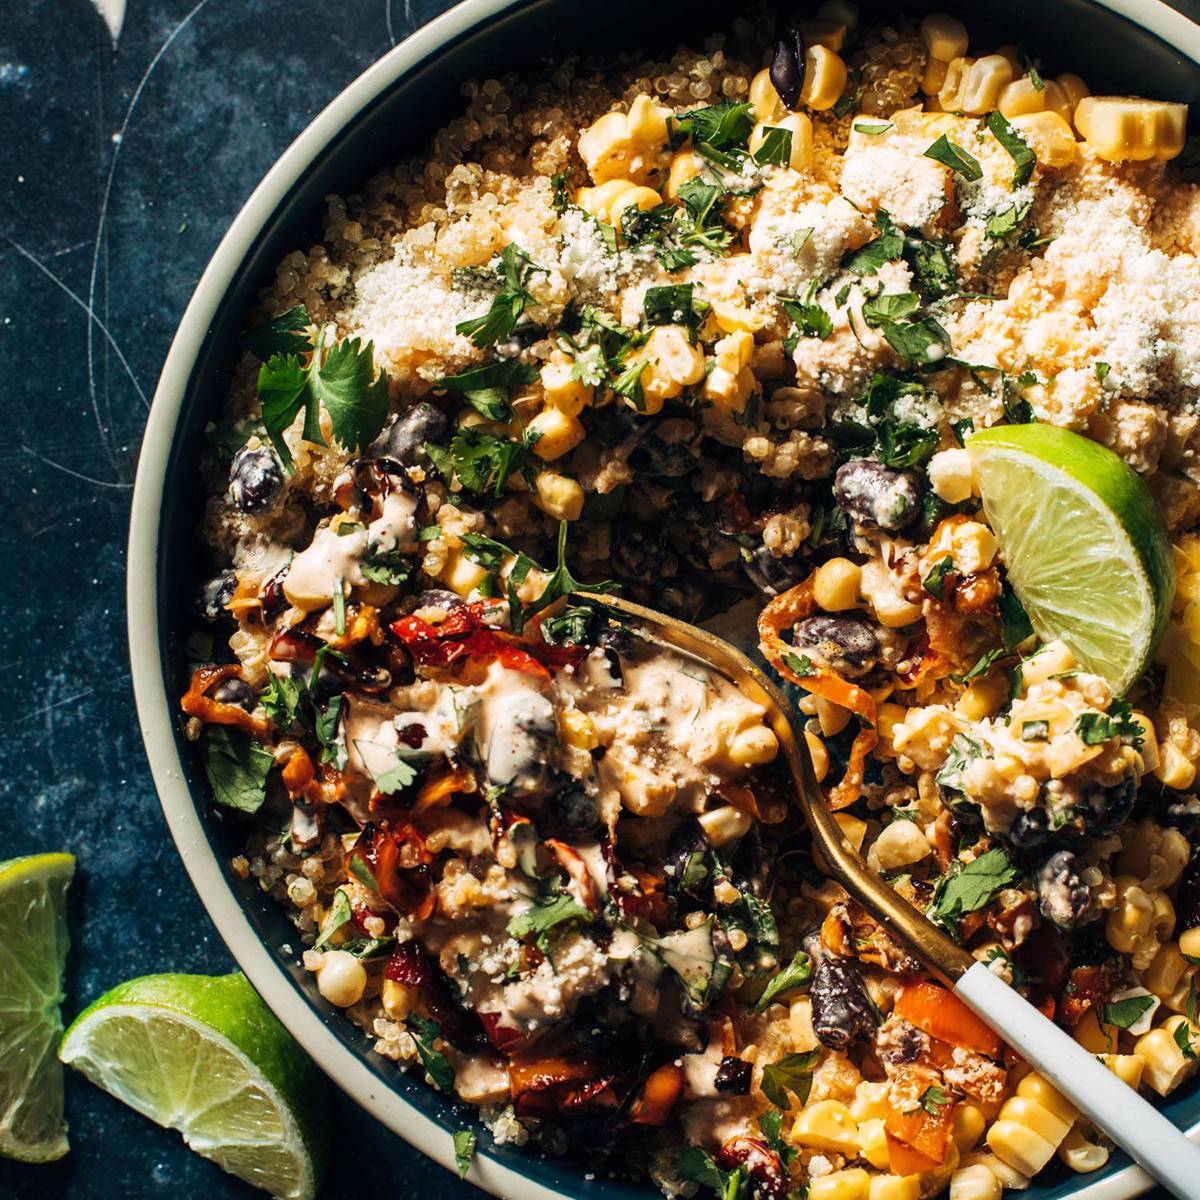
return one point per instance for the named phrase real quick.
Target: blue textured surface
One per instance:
(121, 170)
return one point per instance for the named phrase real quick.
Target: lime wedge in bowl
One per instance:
(204, 1055)
(1086, 550)
(33, 951)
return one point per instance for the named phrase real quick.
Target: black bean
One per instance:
(216, 594)
(1030, 829)
(773, 575)
(787, 67)
(255, 479)
(876, 495)
(733, 1076)
(1187, 903)
(845, 644)
(439, 598)
(1100, 810)
(842, 1012)
(404, 439)
(234, 691)
(570, 814)
(1063, 897)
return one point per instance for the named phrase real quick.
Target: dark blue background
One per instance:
(119, 172)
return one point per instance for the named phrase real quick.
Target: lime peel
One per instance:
(33, 953)
(204, 1055)
(1084, 545)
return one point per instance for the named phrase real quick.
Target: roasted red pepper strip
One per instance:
(464, 635)
(782, 613)
(197, 703)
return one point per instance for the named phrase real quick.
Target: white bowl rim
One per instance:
(156, 710)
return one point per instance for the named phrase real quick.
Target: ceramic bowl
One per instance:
(391, 109)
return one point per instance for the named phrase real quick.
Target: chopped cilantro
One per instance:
(396, 779)
(464, 1150)
(796, 974)
(1035, 731)
(237, 768)
(547, 913)
(480, 461)
(487, 388)
(955, 157)
(799, 664)
(1124, 1014)
(792, 1073)
(872, 129)
(961, 428)
(975, 885)
(776, 147)
(1018, 149)
(437, 1066)
(284, 334)
(675, 304)
(1102, 370)
(723, 126)
(933, 1099)
(887, 247)
(1183, 1039)
(561, 583)
(809, 318)
(935, 582)
(1015, 625)
(514, 269)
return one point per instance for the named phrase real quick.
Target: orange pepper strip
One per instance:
(782, 613)
(197, 704)
(904, 1160)
(938, 1012)
(921, 1127)
(438, 790)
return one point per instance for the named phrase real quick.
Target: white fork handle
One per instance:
(1134, 1124)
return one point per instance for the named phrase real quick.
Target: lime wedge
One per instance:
(33, 951)
(204, 1055)
(1086, 549)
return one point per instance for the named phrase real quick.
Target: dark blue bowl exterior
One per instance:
(1111, 53)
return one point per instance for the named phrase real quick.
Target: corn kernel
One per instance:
(609, 200)
(984, 82)
(724, 825)
(887, 717)
(1056, 101)
(1127, 128)
(1028, 1112)
(966, 1126)
(801, 129)
(945, 37)
(685, 166)
(870, 1099)
(556, 434)
(900, 844)
(1019, 1146)
(562, 392)
(399, 999)
(872, 1141)
(1127, 1068)
(950, 92)
(764, 99)
(836, 584)
(1074, 89)
(672, 363)
(558, 496)
(1049, 136)
(832, 718)
(1081, 1155)
(824, 78)
(460, 574)
(830, 34)
(578, 730)
(975, 1182)
(895, 1187)
(1165, 1064)
(934, 77)
(820, 756)
(1021, 97)
(854, 830)
(826, 1125)
(1175, 770)
(853, 1184)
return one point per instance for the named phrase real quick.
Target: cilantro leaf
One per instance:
(887, 247)
(933, 1099)
(561, 583)
(464, 1150)
(283, 392)
(547, 913)
(696, 1165)
(809, 319)
(975, 885)
(792, 1073)
(514, 268)
(776, 147)
(1015, 625)
(337, 917)
(982, 665)
(894, 306)
(237, 768)
(487, 388)
(282, 699)
(956, 158)
(437, 1065)
(725, 125)
(487, 552)
(1018, 149)
(396, 779)
(1035, 731)
(346, 385)
(284, 334)
(1183, 1039)
(482, 462)
(1124, 1014)
(800, 664)
(675, 304)
(796, 974)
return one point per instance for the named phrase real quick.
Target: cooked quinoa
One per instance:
(713, 331)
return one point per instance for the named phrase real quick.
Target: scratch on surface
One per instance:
(45, 270)
(101, 243)
(387, 16)
(107, 483)
(49, 708)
